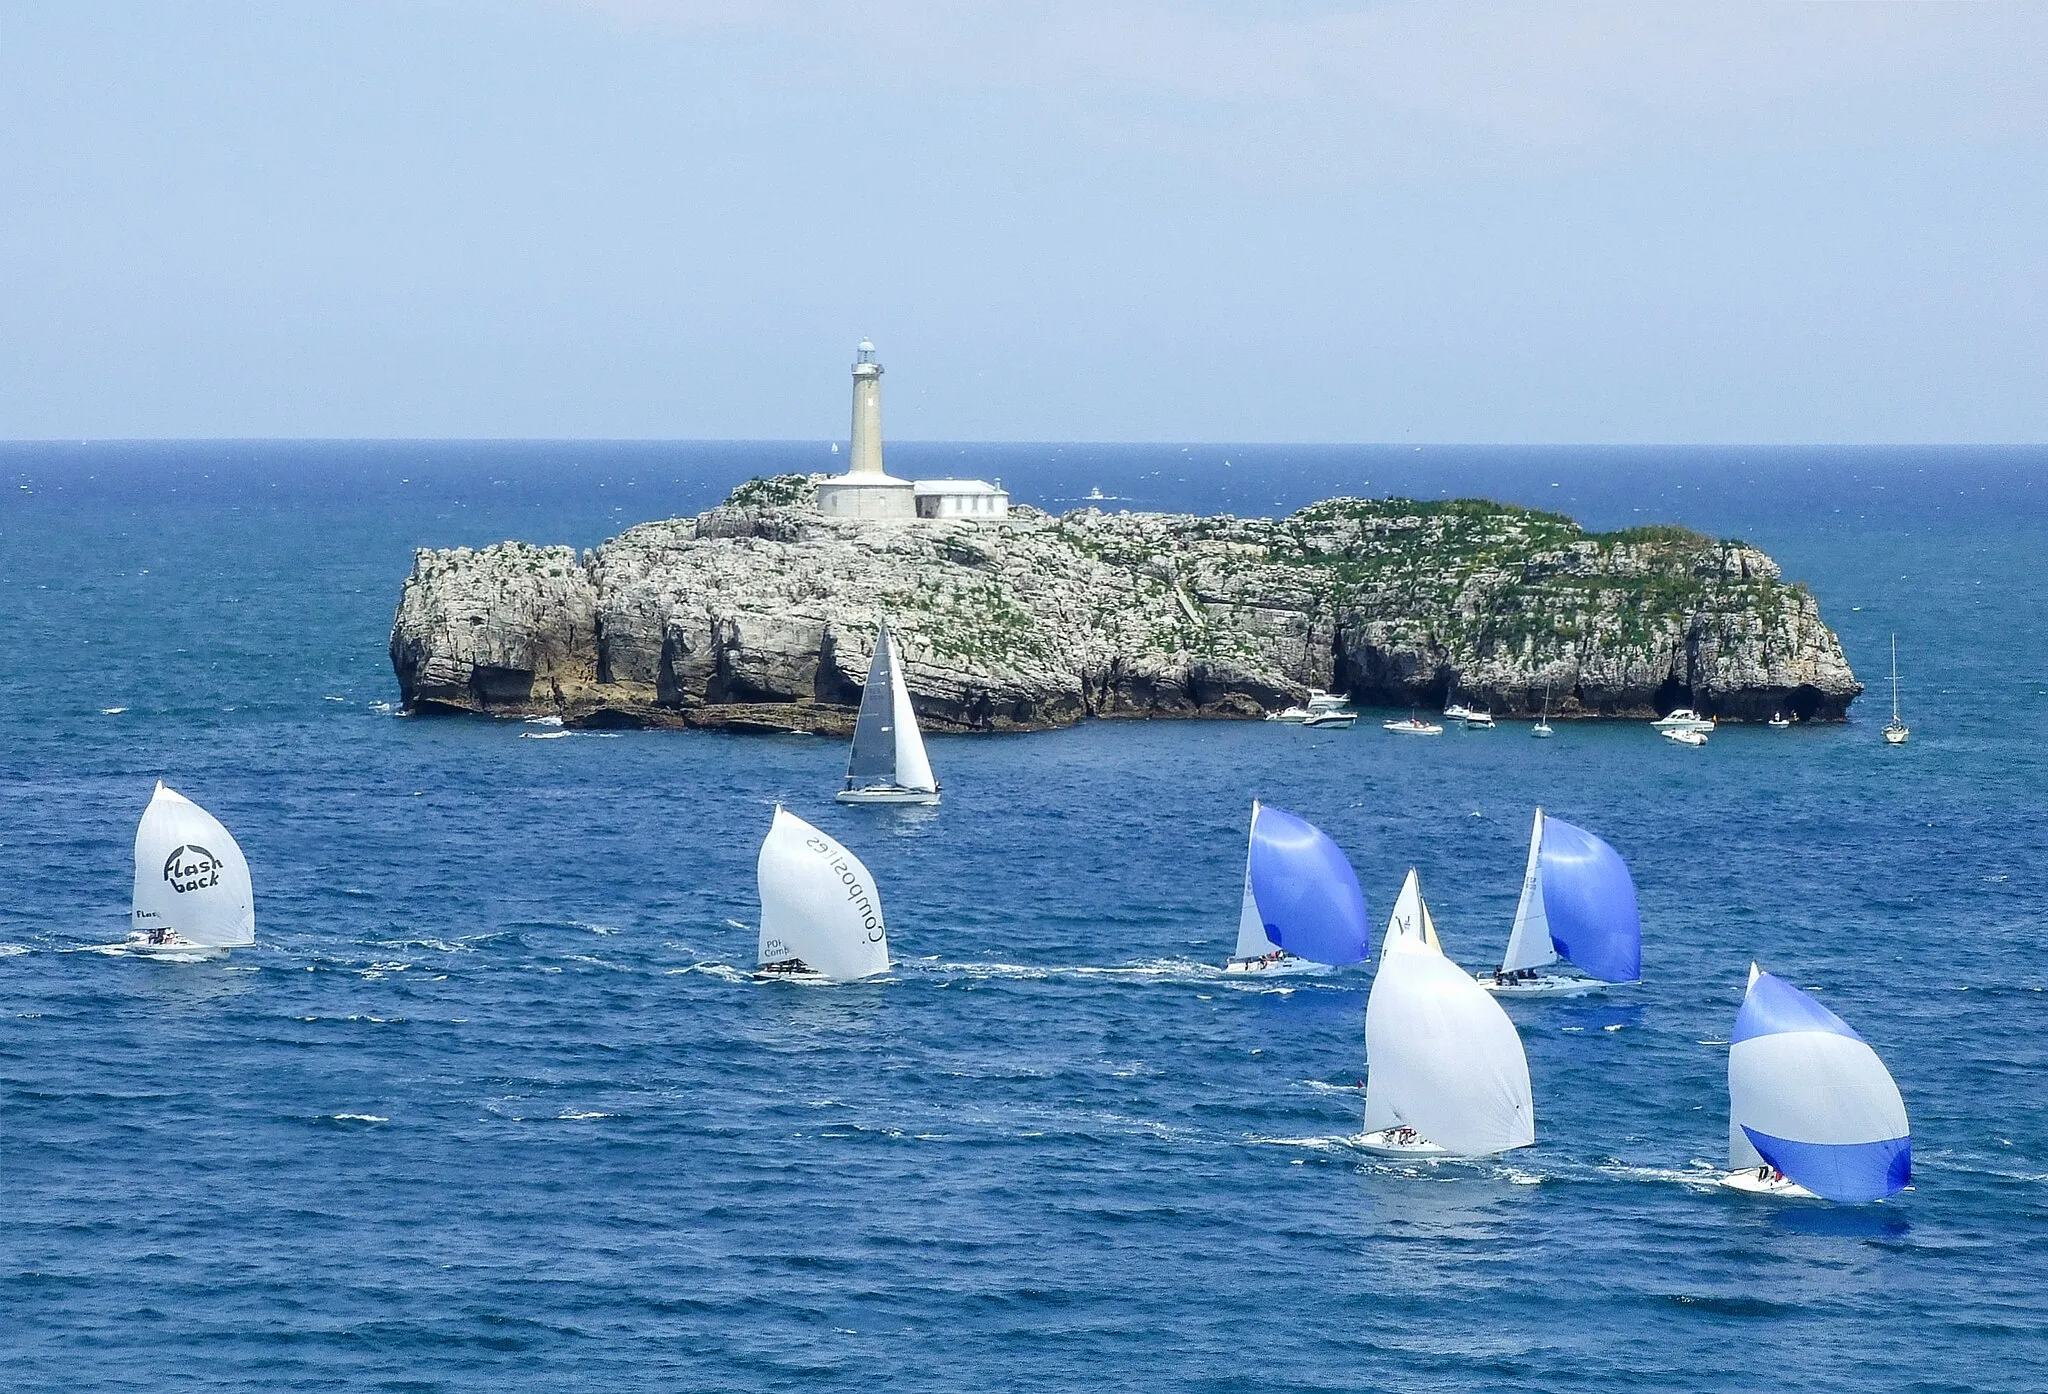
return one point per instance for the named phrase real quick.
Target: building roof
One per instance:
(959, 486)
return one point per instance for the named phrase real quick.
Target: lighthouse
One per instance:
(865, 490)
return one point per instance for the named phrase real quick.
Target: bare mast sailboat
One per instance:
(1896, 731)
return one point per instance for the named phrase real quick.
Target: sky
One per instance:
(1281, 221)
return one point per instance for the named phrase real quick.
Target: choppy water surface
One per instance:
(492, 1104)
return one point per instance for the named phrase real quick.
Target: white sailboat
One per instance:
(1303, 911)
(1812, 1111)
(192, 895)
(1895, 731)
(1578, 904)
(1542, 727)
(821, 913)
(888, 763)
(1445, 1071)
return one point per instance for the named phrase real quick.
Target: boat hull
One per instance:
(1750, 1182)
(165, 953)
(1274, 967)
(1343, 721)
(1420, 728)
(1388, 1143)
(887, 794)
(1546, 985)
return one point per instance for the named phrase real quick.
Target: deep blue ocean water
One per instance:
(492, 1106)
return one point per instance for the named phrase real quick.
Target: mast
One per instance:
(1895, 679)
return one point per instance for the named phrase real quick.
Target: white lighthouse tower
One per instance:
(865, 491)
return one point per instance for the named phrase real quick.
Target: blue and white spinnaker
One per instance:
(1302, 904)
(1808, 1098)
(1579, 904)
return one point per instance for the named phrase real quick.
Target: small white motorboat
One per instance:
(1456, 711)
(1331, 718)
(1685, 735)
(1292, 715)
(1779, 722)
(1413, 726)
(1684, 719)
(1477, 720)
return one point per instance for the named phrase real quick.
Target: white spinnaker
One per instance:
(1251, 926)
(1444, 1059)
(1410, 920)
(190, 875)
(818, 903)
(1529, 944)
(913, 766)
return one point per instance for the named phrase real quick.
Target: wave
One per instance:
(112, 711)
(13, 950)
(545, 735)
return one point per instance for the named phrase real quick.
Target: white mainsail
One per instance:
(190, 876)
(1252, 940)
(1442, 1057)
(1529, 943)
(913, 767)
(819, 904)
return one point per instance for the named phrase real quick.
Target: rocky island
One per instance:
(760, 614)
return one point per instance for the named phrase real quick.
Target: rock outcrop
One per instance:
(761, 614)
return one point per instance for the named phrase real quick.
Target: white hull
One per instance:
(1478, 721)
(1344, 720)
(1293, 716)
(1541, 730)
(1274, 967)
(883, 793)
(1543, 985)
(175, 952)
(1685, 736)
(1391, 1142)
(1895, 735)
(1758, 1181)
(1413, 728)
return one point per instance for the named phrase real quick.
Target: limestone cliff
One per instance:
(761, 614)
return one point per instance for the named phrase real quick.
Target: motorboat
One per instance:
(1456, 711)
(1331, 718)
(1684, 719)
(1779, 722)
(1292, 715)
(1685, 735)
(1413, 726)
(1478, 720)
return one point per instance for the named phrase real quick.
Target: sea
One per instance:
(493, 1103)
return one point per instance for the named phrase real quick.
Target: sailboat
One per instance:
(887, 763)
(1578, 904)
(821, 914)
(1896, 731)
(1542, 726)
(1445, 1072)
(192, 896)
(1812, 1111)
(1302, 910)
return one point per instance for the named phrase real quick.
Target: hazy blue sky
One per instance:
(1183, 221)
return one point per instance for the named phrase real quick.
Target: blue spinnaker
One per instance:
(1305, 890)
(1590, 900)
